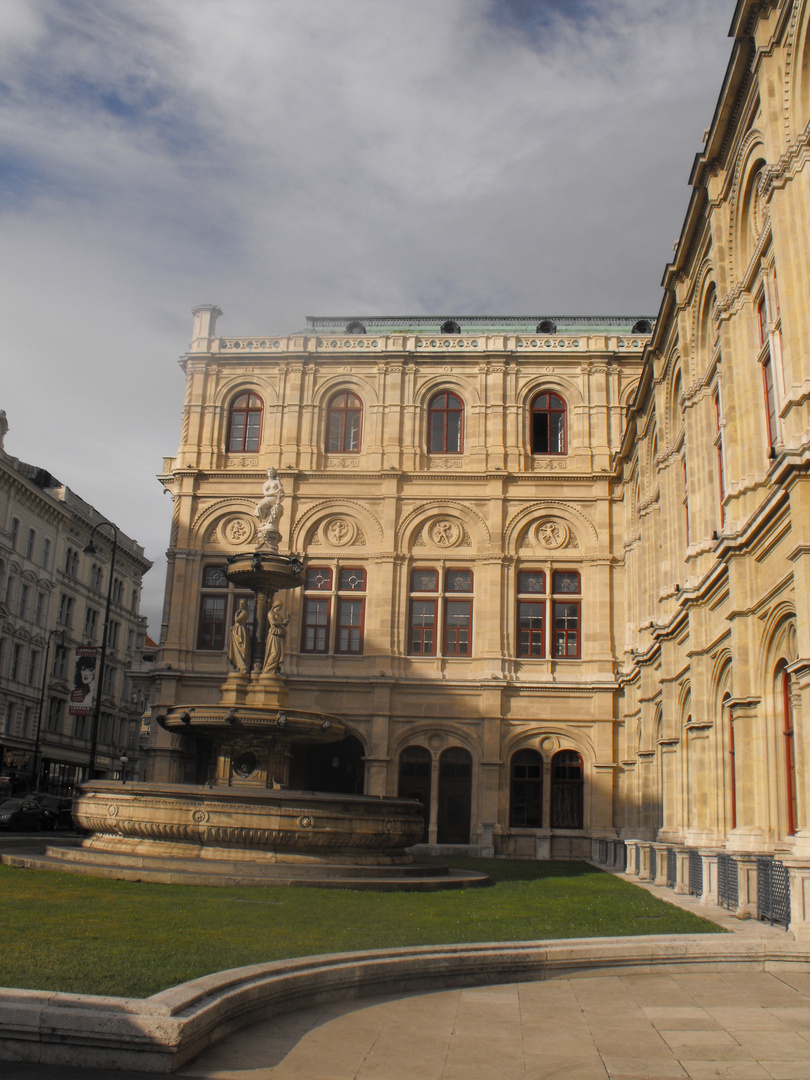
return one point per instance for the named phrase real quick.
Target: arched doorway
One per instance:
(567, 783)
(337, 768)
(414, 781)
(455, 796)
(526, 790)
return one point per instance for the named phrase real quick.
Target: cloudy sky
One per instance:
(284, 158)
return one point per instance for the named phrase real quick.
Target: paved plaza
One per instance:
(743, 1025)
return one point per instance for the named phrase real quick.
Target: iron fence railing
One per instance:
(672, 868)
(695, 874)
(653, 863)
(773, 892)
(728, 882)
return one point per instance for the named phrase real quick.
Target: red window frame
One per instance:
(315, 624)
(567, 773)
(457, 630)
(721, 472)
(245, 423)
(211, 626)
(422, 628)
(344, 422)
(545, 408)
(445, 424)
(531, 636)
(351, 617)
(567, 638)
(319, 579)
(790, 755)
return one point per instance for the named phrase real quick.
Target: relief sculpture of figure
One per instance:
(277, 631)
(268, 508)
(239, 644)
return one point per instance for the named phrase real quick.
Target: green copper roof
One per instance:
(481, 324)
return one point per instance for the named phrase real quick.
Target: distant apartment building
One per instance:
(52, 600)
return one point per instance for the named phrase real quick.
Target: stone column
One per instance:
(631, 858)
(644, 863)
(746, 886)
(799, 872)
(660, 864)
(682, 871)
(709, 859)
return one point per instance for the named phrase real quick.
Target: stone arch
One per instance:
(413, 523)
(421, 735)
(369, 530)
(748, 212)
(551, 382)
(451, 381)
(581, 527)
(333, 383)
(797, 73)
(231, 385)
(673, 408)
(705, 327)
(778, 639)
(531, 738)
(206, 526)
(628, 393)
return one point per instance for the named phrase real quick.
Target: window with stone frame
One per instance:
(344, 417)
(548, 420)
(245, 423)
(56, 711)
(549, 614)
(526, 790)
(445, 424)
(440, 612)
(334, 610)
(30, 542)
(218, 604)
(567, 790)
(767, 364)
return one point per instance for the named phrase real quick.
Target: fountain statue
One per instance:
(245, 825)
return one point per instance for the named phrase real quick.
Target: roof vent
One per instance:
(643, 326)
(355, 327)
(450, 327)
(546, 327)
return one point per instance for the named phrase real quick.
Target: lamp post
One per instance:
(35, 770)
(90, 550)
(124, 762)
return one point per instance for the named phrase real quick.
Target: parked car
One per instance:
(23, 813)
(57, 811)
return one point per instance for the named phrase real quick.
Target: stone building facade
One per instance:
(557, 571)
(52, 599)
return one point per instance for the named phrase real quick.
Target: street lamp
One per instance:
(124, 762)
(35, 771)
(90, 550)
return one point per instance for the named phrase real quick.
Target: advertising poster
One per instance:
(83, 695)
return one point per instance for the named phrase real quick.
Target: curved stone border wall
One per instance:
(160, 1033)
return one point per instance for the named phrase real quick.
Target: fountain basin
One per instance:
(268, 826)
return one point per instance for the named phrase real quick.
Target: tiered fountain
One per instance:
(245, 826)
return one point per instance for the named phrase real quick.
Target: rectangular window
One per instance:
(108, 683)
(60, 658)
(319, 579)
(718, 443)
(29, 547)
(26, 722)
(350, 626)
(531, 638)
(90, 624)
(316, 625)
(352, 580)
(55, 710)
(80, 727)
(66, 610)
(39, 611)
(16, 661)
(46, 553)
(423, 628)
(770, 401)
(424, 580)
(458, 581)
(211, 631)
(33, 664)
(457, 627)
(566, 630)
(22, 603)
(113, 634)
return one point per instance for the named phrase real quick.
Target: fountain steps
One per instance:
(410, 877)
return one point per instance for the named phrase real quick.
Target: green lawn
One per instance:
(91, 935)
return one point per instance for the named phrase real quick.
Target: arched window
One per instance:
(455, 796)
(526, 790)
(548, 424)
(245, 424)
(790, 753)
(450, 326)
(343, 423)
(414, 780)
(446, 421)
(567, 783)
(732, 764)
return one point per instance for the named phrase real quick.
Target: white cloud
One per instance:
(282, 158)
